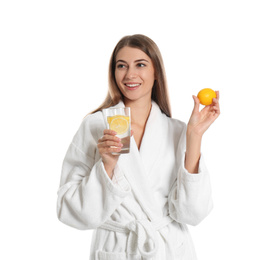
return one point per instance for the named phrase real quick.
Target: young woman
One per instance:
(139, 203)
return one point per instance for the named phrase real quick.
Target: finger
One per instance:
(131, 133)
(216, 107)
(217, 94)
(206, 109)
(109, 144)
(216, 111)
(109, 132)
(109, 150)
(196, 104)
(109, 138)
(215, 103)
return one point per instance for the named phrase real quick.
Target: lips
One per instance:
(132, 86)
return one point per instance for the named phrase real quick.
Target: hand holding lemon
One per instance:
(201, 120)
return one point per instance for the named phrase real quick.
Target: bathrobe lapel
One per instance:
(155, 134)
(137, 165)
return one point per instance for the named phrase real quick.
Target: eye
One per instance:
(120, 66)
(141, 65)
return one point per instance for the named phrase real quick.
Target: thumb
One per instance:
(196, 105)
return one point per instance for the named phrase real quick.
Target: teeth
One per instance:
(132, 85)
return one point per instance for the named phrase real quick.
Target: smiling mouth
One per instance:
(132, 85)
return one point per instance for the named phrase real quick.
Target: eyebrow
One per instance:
(135, 61)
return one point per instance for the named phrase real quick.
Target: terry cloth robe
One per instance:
(143, 211)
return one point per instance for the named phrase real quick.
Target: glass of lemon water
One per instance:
(119, 120)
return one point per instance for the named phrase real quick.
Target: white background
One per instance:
(53, 71)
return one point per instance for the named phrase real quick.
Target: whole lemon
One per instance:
(206, 96)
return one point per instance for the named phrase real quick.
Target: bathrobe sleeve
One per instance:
(87, 197)
(190, 198)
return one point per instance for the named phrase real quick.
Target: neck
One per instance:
(139, 111)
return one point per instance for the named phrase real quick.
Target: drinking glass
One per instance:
(118, 120)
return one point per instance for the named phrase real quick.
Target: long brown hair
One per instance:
(159, 90)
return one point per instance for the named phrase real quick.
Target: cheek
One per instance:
(118, 76)
(118, 80)
(151, 78)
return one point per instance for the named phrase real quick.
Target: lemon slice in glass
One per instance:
(119, 124)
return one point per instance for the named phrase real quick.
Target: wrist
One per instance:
(192, 134)
(109, 170)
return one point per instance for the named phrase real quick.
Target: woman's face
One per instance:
(134, 74)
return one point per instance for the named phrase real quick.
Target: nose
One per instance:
(131, 73)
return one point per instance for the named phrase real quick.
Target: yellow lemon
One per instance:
(118, 123)
(206, 96)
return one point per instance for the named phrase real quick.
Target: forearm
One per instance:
(192, 156)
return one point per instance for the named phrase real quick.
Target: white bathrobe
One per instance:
(143, 211)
